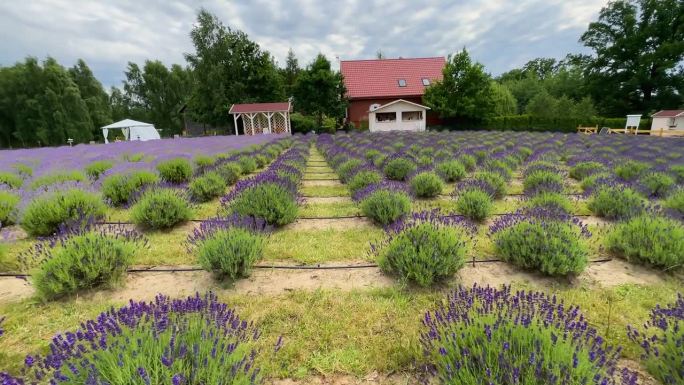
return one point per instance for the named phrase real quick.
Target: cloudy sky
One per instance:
(502, 34)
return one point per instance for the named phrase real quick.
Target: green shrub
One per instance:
(84, 261)
(468, 161)
(134, 158)
(372, 154)
(363, 179)
(248, 164)
(269, 201)
(230, 253)
(650, 240)
(23, 169)
(57, 177)
(551, 247)
(261, 160)
(630, 170)
(500, 167)
(8, 207)
(590, 181)
(425, 161)
(425, 253)
(202, 162)
(582, 170)
(474, 204)
(96, 168)
(495, 182)
(540, 181)
(119, 189)
(177, 170)
(303, 123)
(384, 206)
(399, 168)
(11, 180)
(230, 172)
(160, 208)
(345, 169)
(678, 171)
(426, 184)
(206, 187)
(676, 201)
(551, 201)
(451, 170)
(44, 214)
(657, 184)
(616, 203)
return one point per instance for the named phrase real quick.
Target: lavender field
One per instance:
(376, 258)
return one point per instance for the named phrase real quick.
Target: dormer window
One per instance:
(402, 82)
(426, 82)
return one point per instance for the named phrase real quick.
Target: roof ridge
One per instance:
(394, 59)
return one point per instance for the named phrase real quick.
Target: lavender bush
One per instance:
(616, 202)
(9, 201)
(649, 239)
(581, 170)
(398, 168)
(630, 170)
(550, 200)
(119, 189)
(656, 184)
(177, 170)
(207, 187)
(485, 336)
(426, 184)
(161, 208)
(47, 212)
(451, 170)
(11, 180)
(475, 204)
(385, 202)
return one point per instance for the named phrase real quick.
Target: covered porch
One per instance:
(262, 118)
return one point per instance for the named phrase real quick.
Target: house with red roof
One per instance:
(387, 94)
(668, 120)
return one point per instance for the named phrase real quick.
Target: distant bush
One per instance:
(230, 253)
(363, 179)
(230, 172)
(84, 261)
(119, 189)
(551, 201)
(649, 240)
(23, 169)
(675, 201)
(160, 208)
(451, 170)
(303, 123)
(261, 160)
(202, 162)
(269, 201)
(206, 187)
(371, 154)
(57, 177)
(46, 213)
(582, 170)
(345, 169)
(495, 182)
(656, 184)
(384, 206)
(474, 204)
(248, 164)
(96, 168)
(616, 202)
(8, 207)
(399, 168)
(678, 172)
(425, 161)
(426, 184)
(424, 249)
(468, 161)
(630, 170)
(500, 167)
(591, 181)
(541, 181)
(11, 180)
(134, 158)
(178, 170)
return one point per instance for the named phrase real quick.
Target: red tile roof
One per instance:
(259, 107)
(668, 113)
(380, 78)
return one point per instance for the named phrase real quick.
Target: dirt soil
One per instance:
(371, 379)
(14, 289)
(327, 200)
(311, 183)
(618, 272)
(12, 233)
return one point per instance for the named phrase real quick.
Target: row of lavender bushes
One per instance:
(480, 335)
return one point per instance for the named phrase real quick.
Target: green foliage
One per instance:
(650, 240)
(230, 253)
(426, 184)
(247, 164)
(468, 161)
(474, 204)
(590, 181)
(96, 168)
(23, 169)
(543, 181)
(551, 200)
(425, 253)
(230, 172)
(269, 201)
(675, 201)
(206, 187)
(320, 91)
(94, 96)
(177, 170)
(657, 184)
(678, 171)
(202, 162)
(551, 247)
(8, 207)
(496, 183)
(160, 208)
(581, 170)
(118, 189)
(303, 123)
(133, 158)
(57, 177)
(345, 169)
(363, 179)
(385, 207)
(503, 100)
(44, 214)
(83, 261)
(372, 154)
(451, 170)
(399, 168)
(630, 170)
(616, 203)
(11, 179)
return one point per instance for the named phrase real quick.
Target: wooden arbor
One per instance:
(262, 118)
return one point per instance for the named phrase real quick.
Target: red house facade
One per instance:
(381, 81)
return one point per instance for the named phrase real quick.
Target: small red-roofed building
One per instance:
(668, 120)
(380, 84)
(262, 118)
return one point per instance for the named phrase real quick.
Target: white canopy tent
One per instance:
(133, 130)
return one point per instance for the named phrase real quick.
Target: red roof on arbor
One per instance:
(383, 78)
(668, 113)
(259, 107)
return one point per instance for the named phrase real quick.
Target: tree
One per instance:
(320, 91)
(94, 96)
(584, 109)
(119, 104)
(290, 72)
(638, 46)
(542, 105)
(464, 92)
(228, 68)
(503, 100)
(541, 67)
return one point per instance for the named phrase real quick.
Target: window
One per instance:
(384, 117)
(426, 82)
(402, 82)
(672, 123)
(410, 116)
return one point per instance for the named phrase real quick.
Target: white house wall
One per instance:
(659, 123)
(397, 125)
